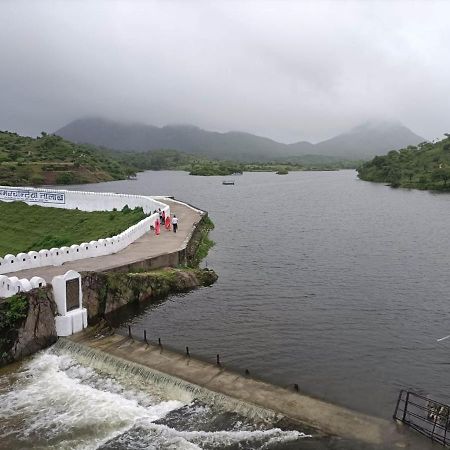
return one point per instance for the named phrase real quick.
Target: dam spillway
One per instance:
(53, 401)
(105, 362)
(234, 392)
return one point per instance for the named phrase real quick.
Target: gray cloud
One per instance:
(290, 70)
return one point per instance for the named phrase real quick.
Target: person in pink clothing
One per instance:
(167, 224)
(157, 227)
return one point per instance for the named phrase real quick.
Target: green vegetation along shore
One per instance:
(426, 166)
(202, 242)
(50, 159)
(202, 166)
(37, 227)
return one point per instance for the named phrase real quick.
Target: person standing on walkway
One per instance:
(167, 224)
(175, 223)
(157, 227)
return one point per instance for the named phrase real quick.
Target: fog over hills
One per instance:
(362, 142)
(368, 140)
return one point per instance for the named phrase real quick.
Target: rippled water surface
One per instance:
(327, 281)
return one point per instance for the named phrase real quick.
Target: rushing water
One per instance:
(54, 402)
(327, 281)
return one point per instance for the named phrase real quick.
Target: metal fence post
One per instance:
(406, 406)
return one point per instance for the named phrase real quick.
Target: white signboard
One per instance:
(32, 195)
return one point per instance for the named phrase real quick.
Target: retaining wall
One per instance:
(85, 201)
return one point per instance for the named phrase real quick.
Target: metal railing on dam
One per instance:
(425, 415)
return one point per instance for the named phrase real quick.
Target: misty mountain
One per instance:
(361, 142)
(187, 138)
(368, 140)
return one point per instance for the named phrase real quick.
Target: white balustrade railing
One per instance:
(10, 286)
(85, 201)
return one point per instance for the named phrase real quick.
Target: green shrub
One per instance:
(14, 309)
(65, 178)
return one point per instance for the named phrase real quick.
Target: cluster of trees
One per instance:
(426, 166)
(222, 168)
(152, 160)
(49, 159)
(319, 162)
(202, 165)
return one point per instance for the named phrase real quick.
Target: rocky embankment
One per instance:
(27, 321)
(27, 324)
(104, 293)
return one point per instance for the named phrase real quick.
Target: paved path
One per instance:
(148, 246)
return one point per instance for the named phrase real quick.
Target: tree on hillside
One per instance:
(409, 173)
(442, 173)
(394, 176)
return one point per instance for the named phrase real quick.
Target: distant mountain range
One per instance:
(362, 142)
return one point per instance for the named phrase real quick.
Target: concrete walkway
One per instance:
(326, 417)
(146, 247)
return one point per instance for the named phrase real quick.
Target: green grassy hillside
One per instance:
(50, 159)
(426, 166)
(36, 227)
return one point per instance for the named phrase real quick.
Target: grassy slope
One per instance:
(426, 166)
(50, 159)
(36, 227)
(204, 242)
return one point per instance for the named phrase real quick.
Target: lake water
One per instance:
(336, 284)
(339, 285)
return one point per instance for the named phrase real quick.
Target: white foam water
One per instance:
(54, 402)
(169, 386)
(166, 437)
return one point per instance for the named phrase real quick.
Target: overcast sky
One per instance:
(289, 70)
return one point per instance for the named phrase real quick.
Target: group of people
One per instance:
(166, 221)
